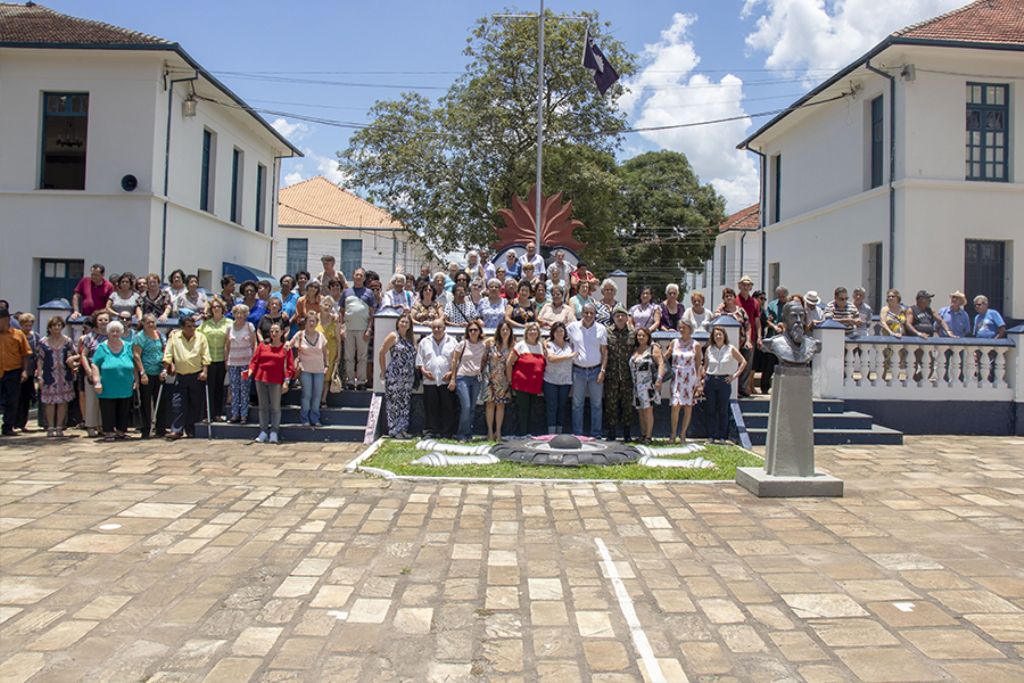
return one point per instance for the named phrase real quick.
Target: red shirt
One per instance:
(271, 365)
(93, 297)
(528, 371)
(752, 307)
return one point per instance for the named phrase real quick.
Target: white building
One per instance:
(906, 168)
(737, 253)
(119, 148)
(318, 218)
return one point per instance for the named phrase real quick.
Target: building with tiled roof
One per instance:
(748, 218)
(121, 149)
(317, 217)
(905, 169)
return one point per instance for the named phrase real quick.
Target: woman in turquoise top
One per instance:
(148, 347)
(113, 376)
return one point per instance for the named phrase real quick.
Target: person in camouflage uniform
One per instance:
(618, 382)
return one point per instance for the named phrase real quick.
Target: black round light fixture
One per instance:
(129, 183)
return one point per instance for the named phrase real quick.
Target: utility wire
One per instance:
(644, 129)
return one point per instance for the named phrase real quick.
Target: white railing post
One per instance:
(1015, 373)
(383, 325)
(828, 367)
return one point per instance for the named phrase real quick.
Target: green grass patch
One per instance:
(397, 456)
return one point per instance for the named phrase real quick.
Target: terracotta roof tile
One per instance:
(34, 24)
(984, 21)
(318, 202)
(744, 219)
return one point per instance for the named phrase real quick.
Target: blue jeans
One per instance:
(718, 392)
(584, 384)
(556, 401)
(468, 390)
(312, 390)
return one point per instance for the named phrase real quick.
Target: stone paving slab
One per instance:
(198, 561)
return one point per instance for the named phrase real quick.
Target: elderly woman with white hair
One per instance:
(397, 299)
(492, 308)
(113, 376)
(671, 308)
(441, 295)
(607, 302)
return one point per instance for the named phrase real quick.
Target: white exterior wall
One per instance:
(828, 214)
(382, 250)
(742, 257)
(126, 134)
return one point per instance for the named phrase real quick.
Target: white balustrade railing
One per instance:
(932, 369)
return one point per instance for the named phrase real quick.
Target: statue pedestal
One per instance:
(789, 458)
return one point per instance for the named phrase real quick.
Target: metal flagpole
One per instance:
(540, 119)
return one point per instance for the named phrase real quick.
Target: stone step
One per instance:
(877, 435)
(846, 420)
(761, 404)
(349, 416)
(344, 399)
(289, 432)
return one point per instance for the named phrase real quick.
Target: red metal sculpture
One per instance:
(556, 227)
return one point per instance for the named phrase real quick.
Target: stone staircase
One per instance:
(833, 424)
(344, 419)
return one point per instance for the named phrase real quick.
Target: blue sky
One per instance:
(700, 60)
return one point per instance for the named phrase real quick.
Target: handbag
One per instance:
(335, 387)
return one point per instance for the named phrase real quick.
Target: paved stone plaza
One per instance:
(192, 561)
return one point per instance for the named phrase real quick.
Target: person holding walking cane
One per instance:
(186, 363)
(148, 346)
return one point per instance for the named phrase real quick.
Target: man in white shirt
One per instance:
(559, 268)
(434, 361)
(487, 265)
(591, 343)
(531, 256)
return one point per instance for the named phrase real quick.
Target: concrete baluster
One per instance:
(383, 325)
(827, 367)
(1015, 374)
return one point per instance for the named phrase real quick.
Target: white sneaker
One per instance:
(262, 438)
(273, 437)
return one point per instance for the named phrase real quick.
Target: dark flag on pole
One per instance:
(605, 74)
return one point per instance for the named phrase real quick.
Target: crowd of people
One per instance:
(545, 337)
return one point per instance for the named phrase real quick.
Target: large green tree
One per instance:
(668, 220)
(445, 168)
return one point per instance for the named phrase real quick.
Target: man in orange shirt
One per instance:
(15, 359)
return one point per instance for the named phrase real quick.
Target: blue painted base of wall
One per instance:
(985, 418)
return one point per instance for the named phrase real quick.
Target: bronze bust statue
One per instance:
(793, 346)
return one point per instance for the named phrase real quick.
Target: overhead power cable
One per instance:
(643, 129)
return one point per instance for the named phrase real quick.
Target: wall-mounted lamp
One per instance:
(188, 106)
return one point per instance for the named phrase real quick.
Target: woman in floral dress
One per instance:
(56, 379)
(496, 393)
(646, 365)
(687, 366)
(397, 363)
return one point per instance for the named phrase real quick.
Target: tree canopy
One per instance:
(444, 169)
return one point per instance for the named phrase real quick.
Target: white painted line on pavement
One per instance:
(636, 631)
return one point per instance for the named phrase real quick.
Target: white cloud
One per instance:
(665, 92)
(801, 35)
(325, 166)
(292, 131)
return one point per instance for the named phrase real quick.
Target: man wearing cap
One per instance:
(815, 314)
(955, 315)
(752, 307)
(15, 363)
(618, 382)
(922, 320)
